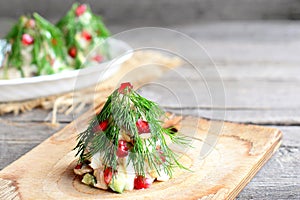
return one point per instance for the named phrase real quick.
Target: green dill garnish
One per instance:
(73, 25)
(47, 45)
(121, 112)
(49, 49)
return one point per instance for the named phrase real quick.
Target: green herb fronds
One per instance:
(72, 25)
(48, 49)
(122, 112)
(48, 45)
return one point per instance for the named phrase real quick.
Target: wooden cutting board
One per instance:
(221, 164)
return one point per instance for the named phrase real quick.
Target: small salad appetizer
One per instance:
(37, 48)
(82, 30)
(125, 146)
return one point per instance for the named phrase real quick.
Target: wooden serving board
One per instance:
(221, 164)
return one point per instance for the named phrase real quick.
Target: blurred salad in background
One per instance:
(82, 30)
(35, 47)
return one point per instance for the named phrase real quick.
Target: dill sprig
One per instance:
(48, 51)
(48, 45)
(71, 25)
(122, 110)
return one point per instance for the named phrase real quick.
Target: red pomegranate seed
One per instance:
(122, 150)
(108, 175)
(80, 10)
(72, 52)
(30, 23)
(27, 39)
(142, 126)
(101, 127)
(141, 182)
(121, 153)
(98, 58)
(122, 88)
(123, 144)
(78, 166)
(86, 35)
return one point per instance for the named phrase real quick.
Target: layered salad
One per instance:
(37, 47)
(125, 146)
(83, 30)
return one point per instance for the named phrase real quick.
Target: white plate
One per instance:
(30, 88)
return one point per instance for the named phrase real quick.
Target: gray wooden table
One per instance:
(259, 65)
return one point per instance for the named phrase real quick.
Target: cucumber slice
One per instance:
(89, 179)
(118, 183)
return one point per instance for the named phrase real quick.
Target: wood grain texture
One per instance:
(240, 151)
(251, 94)
(245, 52)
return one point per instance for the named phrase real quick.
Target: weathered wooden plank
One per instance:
(13, 150)
(271, 31)
(291, 136)
(231, 71)
(259, 64)
(30, 132)
(241, 50)
(39, 115)
(253, 116)
(241, 166)
(278, 179)
(229, 42)
(240, 43)
(239, 94)
(18, 131)
(18, 138)
(267, 182)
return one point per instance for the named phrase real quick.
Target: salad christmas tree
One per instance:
(82, 31)
(125, 145)
(36, 42)
(40, 48)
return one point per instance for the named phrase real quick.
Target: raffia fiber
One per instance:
(70, 102)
